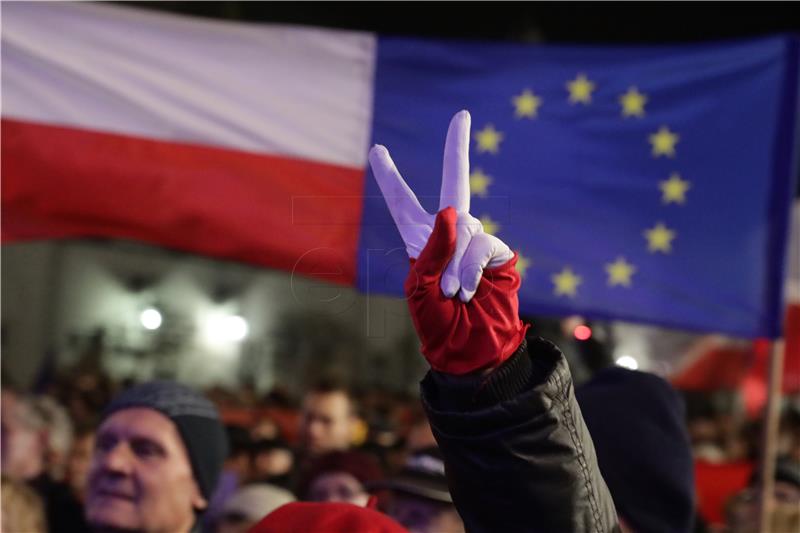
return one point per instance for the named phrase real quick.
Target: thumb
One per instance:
(480, 250)
(441, 244)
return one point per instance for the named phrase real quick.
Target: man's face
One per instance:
(327, 423)
(140, 477)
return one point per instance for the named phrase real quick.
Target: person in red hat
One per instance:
(329, 517)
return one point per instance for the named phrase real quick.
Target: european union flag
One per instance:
(649, 184)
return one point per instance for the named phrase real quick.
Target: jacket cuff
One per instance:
(516, 375)
(507, 381)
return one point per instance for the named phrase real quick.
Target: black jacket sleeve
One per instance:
(518, 455)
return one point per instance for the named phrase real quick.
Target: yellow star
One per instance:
(489, 226)
(488, 139)
(479, 182)
(674, 189)
(633, 103)
(522, 264)
(580, 90)
(664, 142)
(526, 104)
(566, 283)
(659, 238)
(620, 272)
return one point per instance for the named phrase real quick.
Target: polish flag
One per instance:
(226, 139)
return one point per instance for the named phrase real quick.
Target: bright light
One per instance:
(582, 333)
(150, 319)
(627, 361)
(230, 328)
(235, 328)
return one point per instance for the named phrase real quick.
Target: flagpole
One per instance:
(770, 435)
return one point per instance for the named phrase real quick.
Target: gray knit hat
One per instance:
(197, 421)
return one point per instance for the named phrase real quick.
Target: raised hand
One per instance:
(475, 250)
(451, 254)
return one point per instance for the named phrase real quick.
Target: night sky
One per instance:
(610, 22)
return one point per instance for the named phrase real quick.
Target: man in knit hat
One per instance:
(159, 451)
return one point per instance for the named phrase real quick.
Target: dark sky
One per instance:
(612, 22)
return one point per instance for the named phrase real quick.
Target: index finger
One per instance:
(400, 199)
(455, 168)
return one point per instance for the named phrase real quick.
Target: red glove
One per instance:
(458, 337)
(462, 288)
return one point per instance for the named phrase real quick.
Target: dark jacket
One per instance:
(518, 455)
(63, 511)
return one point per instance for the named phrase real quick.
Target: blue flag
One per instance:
(649, 184)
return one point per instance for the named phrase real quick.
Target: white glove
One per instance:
(475, 250)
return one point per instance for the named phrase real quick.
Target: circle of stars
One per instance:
(663, 143)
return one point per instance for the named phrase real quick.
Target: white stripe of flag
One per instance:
(279, 90)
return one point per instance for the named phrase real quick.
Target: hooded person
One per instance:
(636, 421)
(158, 455)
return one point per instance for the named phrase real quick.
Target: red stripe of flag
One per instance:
(279, 212)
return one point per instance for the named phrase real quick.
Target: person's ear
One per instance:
(358, 430)
(198, 501)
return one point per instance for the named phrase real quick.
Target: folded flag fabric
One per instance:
(649, 184)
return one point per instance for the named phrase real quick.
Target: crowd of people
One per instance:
(369, 448)
(372, 449)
